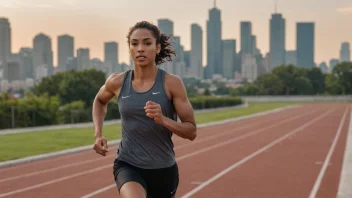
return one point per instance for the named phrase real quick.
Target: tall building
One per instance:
(253, 50)
(214, 42)
(291, 57)
(305, 45)
(277, 40)
(42, 56)
(179, 65)
(249, 67)
(13, 71)
(26, 62)
(196, 54)
(166, 26)
(5, 40)
(345, 53)
(229, 58)
(65, 50)
(333, 63)
(111, 56)
(246, 37)
(83, 59)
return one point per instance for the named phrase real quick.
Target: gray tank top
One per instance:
(144, 143)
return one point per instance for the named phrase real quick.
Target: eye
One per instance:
(149, 43)
(134, 44)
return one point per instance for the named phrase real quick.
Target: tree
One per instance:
(317, 80)
(269, 84)
(73, 85)
(343, 72)
(332, 86)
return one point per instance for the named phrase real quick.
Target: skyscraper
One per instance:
(305, 45)
(345, 53)
(229, 58)
(111, 56)
(83, 59)
(277, 40)
(166, 26)
(196, 55)
(65, 50)
(214, 43)
(42, 56)
(246, 37)
(26, 62)
(5, 40)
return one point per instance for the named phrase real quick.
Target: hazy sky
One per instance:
(93, 22)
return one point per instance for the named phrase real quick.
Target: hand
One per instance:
(153, 110)
(101, 146)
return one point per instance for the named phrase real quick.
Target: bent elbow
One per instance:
(194, 135)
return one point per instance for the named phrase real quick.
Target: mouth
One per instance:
(141, 57)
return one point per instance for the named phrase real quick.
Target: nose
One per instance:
(140, 48)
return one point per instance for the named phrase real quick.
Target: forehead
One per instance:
(141, 33)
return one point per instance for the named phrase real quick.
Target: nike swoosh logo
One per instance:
(173, 192)
(154, 93)
(125, 97)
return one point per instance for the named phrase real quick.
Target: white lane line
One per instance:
(319, 179)
(224, 143)
(100, 191)
(54, 169)
(263, 149)
(345, 190)
(55, 181)
(89, 161)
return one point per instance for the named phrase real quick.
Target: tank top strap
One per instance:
(160, 80)
(126, 86)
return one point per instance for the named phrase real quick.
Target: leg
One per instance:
(129, 181)
(132, 190)
(162, 183)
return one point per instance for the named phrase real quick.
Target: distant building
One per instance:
(305, 45)
(345, 52)
(277, 40)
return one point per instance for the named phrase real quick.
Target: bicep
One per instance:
(104, 95)
(182, 105)
(109, 89)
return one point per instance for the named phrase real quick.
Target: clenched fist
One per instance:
(153, 110)
(101, 146)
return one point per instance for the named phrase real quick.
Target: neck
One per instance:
(145, 73)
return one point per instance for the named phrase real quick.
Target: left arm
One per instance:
(187, 128)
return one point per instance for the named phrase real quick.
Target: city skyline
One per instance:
(98, 28)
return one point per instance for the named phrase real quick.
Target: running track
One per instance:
(296, 152)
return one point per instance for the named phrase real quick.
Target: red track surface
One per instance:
(280, 154)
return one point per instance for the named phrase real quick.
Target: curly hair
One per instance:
(163, 39)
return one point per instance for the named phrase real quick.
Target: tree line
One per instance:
(292, 80)
(67, 97)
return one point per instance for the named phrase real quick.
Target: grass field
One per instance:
(14, 146)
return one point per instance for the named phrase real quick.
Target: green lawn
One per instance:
(14, 146)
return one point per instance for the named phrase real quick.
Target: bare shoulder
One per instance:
(114, 82)
(174, 85)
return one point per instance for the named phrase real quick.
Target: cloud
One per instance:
(345, 10)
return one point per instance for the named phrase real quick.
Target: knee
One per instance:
(132, 190)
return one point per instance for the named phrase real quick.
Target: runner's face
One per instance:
(143, 48)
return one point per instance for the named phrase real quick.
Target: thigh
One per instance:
(162, 183)
(132, 189)
(129, 180)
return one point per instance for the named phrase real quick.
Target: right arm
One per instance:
(106, 93)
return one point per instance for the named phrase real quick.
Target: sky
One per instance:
(94, 22)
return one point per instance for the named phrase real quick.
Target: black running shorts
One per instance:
(158, 183)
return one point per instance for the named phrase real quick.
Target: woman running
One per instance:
(149, 100)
